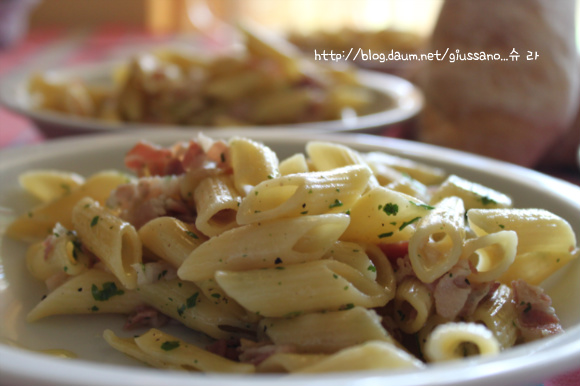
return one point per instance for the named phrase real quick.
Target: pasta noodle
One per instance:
(329, 261)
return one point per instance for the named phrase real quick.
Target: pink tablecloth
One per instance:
(50, 48)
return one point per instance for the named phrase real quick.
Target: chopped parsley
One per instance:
(383, 235)
(372, 268)
(170, 345)
(66, 188)
(485, 200)
(335, 204)
(404, 225)
(424, 206)
(192, 235)
(109, 290)
(190, 302)
(94, 221)
(391, 209)
(216, 295)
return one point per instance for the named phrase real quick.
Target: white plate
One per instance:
(100, 365)
(406, 100)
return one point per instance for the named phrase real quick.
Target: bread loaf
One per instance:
(514, 110)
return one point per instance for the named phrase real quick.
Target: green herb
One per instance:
(192, 235)
(94, 221)
(305, 212)
(94, 308)
(528, 308)
(383, 235)
(162, 274)
(190, 302)
(181, 310)
(335, 204)
(66, 188)
(501, 226)
(424, 206)
(217, 296)
(372, 268)
(485, 200)
(404, 225)
(401, 315)
(170, 345)
(391, 209)
(109, 290)
(347, 306)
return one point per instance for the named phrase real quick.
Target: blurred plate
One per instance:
(22, 364)
(397, 100)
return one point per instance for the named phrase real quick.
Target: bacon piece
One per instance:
(478, 292)
(536, 317)
(257, 352)
(145, 316)
(149, 198)
(149, 159)
(395, 251)
(452, 290)
(227, 348)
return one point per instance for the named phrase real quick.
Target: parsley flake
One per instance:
(170, 345)
(391, 209)
(109, 290)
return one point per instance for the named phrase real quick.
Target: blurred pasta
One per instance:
(264, 84)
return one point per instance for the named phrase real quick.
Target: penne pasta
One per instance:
(459, 340)
(383, 215)
(39, 221)
(413, 305)
(252, 163)
(308, 287)
(473, 195)
(185, 302)
(48, 185)
(91, 292)
(303, 194)
(326, 332)
(437, 243)
(498, 314)
(170, 239)
(115, 242)
(372, 355)
(491, 255)
(263, 245)
(216, 201)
